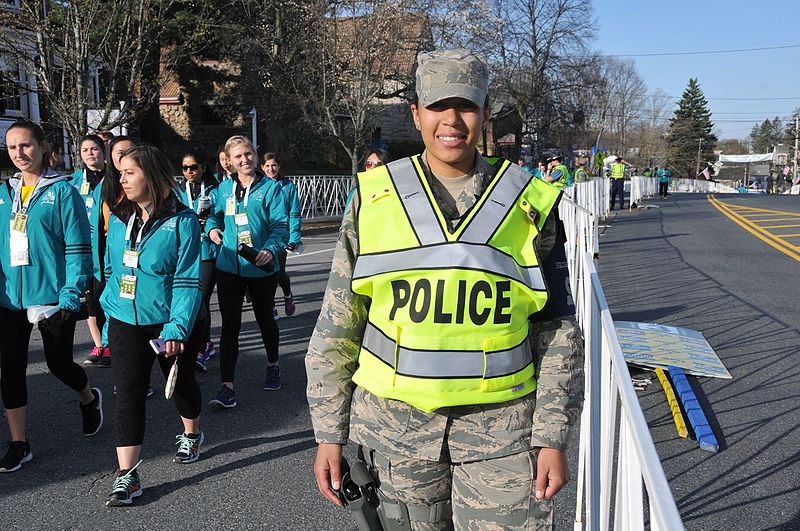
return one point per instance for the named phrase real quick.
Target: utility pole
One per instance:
(697, 166)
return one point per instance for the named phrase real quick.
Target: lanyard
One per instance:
(129, 230)
(16, 205)
(189, 193)
(246, 193)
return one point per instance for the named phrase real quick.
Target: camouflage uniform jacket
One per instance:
(462, 434)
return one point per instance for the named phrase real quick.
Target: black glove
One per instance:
(291, 247)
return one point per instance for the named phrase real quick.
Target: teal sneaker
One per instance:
(127, 486)
(188, 447)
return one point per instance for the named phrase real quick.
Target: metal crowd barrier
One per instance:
(322, 196)
(616, 454)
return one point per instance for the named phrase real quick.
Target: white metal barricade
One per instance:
(322, 196)
(613, 452)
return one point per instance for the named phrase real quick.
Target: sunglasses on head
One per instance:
(191, 167)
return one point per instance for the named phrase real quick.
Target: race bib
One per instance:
(127, 287)
(18, 247)
(130, 258)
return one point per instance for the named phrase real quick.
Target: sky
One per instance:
(627, 27)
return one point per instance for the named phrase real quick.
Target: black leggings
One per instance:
(15, 335)
(208, 277)
(230, 294)
(133, 361)
(283, 276)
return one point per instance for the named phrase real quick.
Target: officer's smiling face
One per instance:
(450, 130)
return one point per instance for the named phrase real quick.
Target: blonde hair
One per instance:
(236, 140)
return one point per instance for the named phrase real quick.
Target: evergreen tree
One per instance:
(691, 126)
(765, 136)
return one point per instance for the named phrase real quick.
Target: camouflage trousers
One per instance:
(495, 494)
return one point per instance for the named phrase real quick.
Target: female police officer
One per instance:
(445, 309)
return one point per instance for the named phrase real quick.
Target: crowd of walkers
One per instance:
(122, 244)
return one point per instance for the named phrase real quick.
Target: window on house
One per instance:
(11, 88)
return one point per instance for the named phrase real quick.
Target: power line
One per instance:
(734, 50)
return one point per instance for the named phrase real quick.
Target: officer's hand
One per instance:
(216, 236)
(328, 470)
(263, 257)
(552, 472)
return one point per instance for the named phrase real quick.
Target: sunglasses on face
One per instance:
(191, 167)
(372, 163)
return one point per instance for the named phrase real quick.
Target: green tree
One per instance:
(690, 132)
(763, 137)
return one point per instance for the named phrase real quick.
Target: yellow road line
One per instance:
(788, 235)
(674, 406)
(779, 226)
(765, 236)
(772, 219)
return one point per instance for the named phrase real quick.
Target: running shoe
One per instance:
(92, 413)
(202, 361)
(19, 452)
(288, 305)
(94, 356)
(225, 398)
(210, 350)
(127, 486)
(272, 382)
(275, 314)
(105, 361)
(188, 447)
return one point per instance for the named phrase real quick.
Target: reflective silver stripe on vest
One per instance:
(499, 203)
(448, 256)
(446, 364)
(415, 200)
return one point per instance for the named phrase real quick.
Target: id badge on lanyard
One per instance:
(85, 187)
(240, 220)
(18, 246)
(130, 258)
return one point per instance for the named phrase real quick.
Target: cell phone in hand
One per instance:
(158, 345)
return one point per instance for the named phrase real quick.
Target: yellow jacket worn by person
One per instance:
(449, 313)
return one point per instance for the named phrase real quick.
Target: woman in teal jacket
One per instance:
(199, 183)
(272, 169)
(247, 209)
(88, 181)
(152, 293)
(44, 261)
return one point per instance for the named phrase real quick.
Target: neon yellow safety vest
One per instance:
(563, 180)
(448, 317)
(617, 170)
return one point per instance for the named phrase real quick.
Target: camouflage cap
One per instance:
(456, 73)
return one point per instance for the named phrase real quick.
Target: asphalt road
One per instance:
(686, 264)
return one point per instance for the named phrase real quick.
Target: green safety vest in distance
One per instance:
(564, 179)
(448, 317)
(617, 170)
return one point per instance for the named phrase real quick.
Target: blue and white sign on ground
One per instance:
(659, 346)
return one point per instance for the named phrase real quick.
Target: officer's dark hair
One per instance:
(157, 172)
(112, 191)
(38, 134)
(91, 138)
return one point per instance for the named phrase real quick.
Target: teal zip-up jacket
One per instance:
(208, 249)
(94, 209)
(58, 247)
(289, 191)
(268, 221)
(167, 276)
